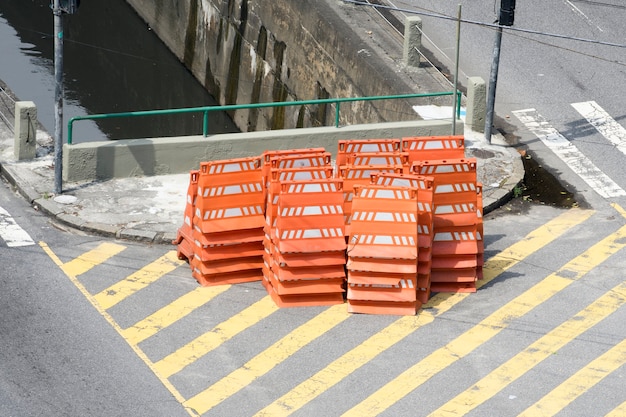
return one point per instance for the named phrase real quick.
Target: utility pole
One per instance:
(59, 7)
(506, 17)
(58, 97)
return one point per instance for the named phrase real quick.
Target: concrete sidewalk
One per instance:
(151, 208)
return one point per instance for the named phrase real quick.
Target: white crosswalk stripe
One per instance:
(12, 234)
(603, 122)
(569, 153)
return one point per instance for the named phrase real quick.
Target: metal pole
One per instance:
(456, 72)
(58, 97)
(493, 80)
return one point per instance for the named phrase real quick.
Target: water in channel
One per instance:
(113, 62)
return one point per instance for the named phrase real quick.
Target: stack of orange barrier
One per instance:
(425, 233)
(184, 237)
(304, 261)
(402, 216)
(383, 251)
(457, 244)
(228, 222)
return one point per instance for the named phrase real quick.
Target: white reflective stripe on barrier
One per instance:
(291, 234)
(380, 216)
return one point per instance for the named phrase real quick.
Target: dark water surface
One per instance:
(113, 63)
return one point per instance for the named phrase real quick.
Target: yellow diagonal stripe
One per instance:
(221, 333)
(530, 357)
(619, 411)
(579, 383)
(354, 359)
(171, 313)
(535, 240)
(139, 280)
(419, 373)
(94, 257)
(267, 360)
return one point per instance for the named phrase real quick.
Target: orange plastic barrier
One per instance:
(434, 147)
(384, 307)
(447, 170)
(384, 223)
(383, 250)
(349, 147)
(184, 237)
(230, 195)
(396, 159)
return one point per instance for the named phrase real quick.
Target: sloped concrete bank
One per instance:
(254, 51)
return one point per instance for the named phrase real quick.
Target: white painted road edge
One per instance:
(11, 232)
(570, 154)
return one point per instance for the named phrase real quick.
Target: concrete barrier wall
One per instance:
(92, 161)
(255, 51)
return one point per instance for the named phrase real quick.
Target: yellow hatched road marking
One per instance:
(579, 383)
(268, 359)
(171, 313)
(419, 373)
(138, 280)
(547, 345)
(354, 359)
(112, 322)
(619, 411)
(221, 333)
(94, 257)
(351, 361)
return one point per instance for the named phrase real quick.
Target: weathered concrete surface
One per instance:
(91, 161)
(251, 51)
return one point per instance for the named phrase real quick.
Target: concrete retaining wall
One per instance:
(255, 51)
(93, 161)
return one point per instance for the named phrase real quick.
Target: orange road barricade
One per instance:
(383, 230)
(228, 222)
(184, 236)
(346, 148)
(457, 222)
(304, 261)
(424, 148)
(425, 230)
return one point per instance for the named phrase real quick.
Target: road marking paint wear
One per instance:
(138, 280)
(534, 354)
(12, 234)
(619, 411)
(579, 383)
(220, 334)
(359, 356)
(419, 373)
(570, 154)
(171, 313)
(603, 122)
(113, 324)
(268, 359)
(88, 260)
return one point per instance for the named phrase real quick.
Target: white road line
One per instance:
(11, 232)
(570, 154)
(603, 122)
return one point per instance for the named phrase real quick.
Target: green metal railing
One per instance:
(207, 109)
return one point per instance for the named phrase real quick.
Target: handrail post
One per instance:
(336, 113)
(205, 123)
(70, 128)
